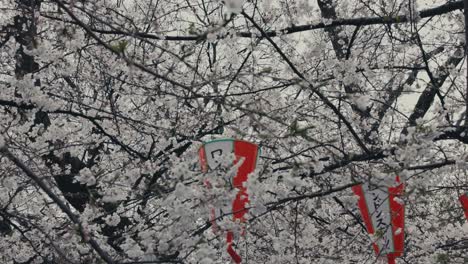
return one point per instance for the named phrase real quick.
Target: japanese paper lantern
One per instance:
(209, 155)
(384, 216)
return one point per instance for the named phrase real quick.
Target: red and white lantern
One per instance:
(383, 213)
(209, 155)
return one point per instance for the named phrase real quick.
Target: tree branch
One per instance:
(427, 97)
(362, 21)
(316, 91)
(66, 209)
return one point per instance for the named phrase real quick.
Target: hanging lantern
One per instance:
(209, 155)
(464, 201)
(383, 213)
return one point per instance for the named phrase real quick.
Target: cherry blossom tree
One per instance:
(104, 105)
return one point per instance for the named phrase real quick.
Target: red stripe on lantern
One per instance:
(398, 218)
(365, 212)
(464, 201)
